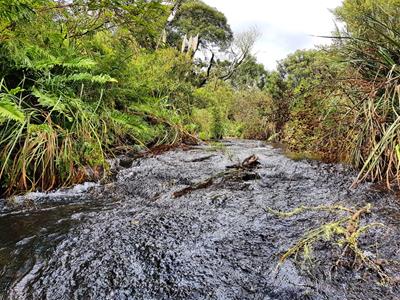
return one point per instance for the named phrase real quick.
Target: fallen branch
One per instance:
(239, 171)
(199, 186)
(200, 159)
(344, 232)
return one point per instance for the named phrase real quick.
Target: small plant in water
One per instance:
(220, 147)
(343, 232)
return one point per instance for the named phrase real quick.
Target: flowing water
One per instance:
(133, 239)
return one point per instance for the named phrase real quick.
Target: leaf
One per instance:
(16, 91)
(49, 101)
(397, 148)
(38, 128)
(101, 79)
(55, 104)
(9, 110)
(80, 63)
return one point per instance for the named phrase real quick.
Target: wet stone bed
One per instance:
(163, 230)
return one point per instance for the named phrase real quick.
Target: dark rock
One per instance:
(126, 162)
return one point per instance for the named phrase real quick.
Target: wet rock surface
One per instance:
(132, 239)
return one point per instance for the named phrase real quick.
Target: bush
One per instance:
(213, 104)
(252, 109)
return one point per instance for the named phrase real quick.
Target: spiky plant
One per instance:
(375, 53)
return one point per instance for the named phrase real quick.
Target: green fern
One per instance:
(15, 10)
(48, 101)
(79, 63)
(100, 79)
(9, 110)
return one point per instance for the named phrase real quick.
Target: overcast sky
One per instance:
(285, 25)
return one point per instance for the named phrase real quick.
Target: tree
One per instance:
(276, 87)
(194, 18)
(250, 74)
(223, 64)
(80, 79)
(353, 14)
(15, 11)
(143, 19)
(302, 88)
(241, 48)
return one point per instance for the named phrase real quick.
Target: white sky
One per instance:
(285, 25)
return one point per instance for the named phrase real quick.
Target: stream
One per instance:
(147, 235)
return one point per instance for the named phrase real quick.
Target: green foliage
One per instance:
(249, 75)
(222, 111)
(355, 12)
(40, 154)
(215, 101)
(217, 128)
(80, 82)
(84, 79)
(341, 103)
(371, 45)
(310, 105)
(202, 119)
(10, 110)
(162, 74)
(252, 110)
(197, 18)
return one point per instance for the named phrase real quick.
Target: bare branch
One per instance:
(241, 48)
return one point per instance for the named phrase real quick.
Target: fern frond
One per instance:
(38, 58)
(9, 110)
(49, 101)
(101, 79)
(79, 63)
(53, 103)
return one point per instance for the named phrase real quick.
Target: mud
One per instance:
(133, 239)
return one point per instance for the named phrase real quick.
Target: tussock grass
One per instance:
(375, 54)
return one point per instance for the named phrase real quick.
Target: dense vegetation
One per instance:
(83, 80)
(343, 101)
